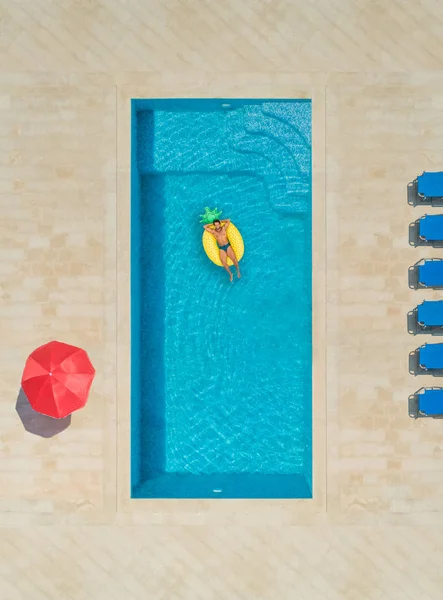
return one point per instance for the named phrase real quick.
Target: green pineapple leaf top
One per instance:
(210, 215)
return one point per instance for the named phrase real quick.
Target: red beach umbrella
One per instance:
(57, 379)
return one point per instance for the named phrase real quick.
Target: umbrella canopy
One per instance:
(57, 378)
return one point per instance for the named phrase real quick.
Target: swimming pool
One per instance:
(221, 393)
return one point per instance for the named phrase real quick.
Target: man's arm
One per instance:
(226, 223)
(208, 229)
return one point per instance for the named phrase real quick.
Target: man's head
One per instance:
(216, 224)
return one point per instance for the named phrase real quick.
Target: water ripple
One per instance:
(237, 356)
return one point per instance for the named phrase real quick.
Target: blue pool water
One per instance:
(221, 373)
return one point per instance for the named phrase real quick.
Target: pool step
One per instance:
(284, 154)
(266, 140)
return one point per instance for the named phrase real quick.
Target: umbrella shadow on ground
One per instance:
(36, 423)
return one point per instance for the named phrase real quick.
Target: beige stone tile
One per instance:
(222, 562)
(255, 35)
(390, 139)
(53, 283)
(67, 70)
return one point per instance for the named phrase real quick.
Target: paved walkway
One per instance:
(67, 73)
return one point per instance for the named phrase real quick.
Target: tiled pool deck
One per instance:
(67, 74)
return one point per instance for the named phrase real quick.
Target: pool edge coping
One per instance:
(146, 507)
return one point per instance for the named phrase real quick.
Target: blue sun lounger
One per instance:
(430, 273)
(427, 317)
(426, 189)
(430, 185)
(426, 402)
(430, 357)
(430, 228)
(430, 313)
